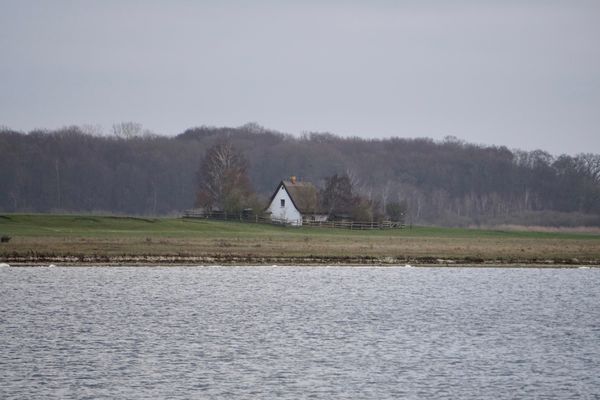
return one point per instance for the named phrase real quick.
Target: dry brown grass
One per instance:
(401, 248)
(547, 229)
(47, 237)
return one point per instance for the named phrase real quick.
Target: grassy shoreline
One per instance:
(38, 239)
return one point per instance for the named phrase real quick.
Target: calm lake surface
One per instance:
(299, 332)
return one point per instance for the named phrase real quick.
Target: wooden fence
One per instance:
(224, 216)
(354, 225)
(253, 218)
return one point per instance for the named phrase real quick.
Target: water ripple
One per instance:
(286, 332)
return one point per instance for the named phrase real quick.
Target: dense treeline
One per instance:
(449, 182)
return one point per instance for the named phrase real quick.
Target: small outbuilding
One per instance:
(294, 201)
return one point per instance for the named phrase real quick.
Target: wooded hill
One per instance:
(445, 183)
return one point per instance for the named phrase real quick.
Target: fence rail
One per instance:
(355, 225)
(253, 218)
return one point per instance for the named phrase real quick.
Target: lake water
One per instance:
(299, 332)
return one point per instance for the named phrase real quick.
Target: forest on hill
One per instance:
(439, 182)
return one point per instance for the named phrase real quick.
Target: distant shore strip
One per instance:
(225, 260)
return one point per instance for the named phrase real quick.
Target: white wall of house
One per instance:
(287, 211)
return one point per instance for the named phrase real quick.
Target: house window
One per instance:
(282, 202)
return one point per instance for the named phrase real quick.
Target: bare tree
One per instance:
(338, 196)
(353, 177)
(589, 165)
(127, 130)
(223, 179)
(92, 129)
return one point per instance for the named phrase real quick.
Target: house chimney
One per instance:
(293, 180)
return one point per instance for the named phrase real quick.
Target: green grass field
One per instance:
(42, 236)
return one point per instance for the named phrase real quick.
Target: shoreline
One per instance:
(309, 261)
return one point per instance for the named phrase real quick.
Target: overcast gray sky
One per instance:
(525, 74)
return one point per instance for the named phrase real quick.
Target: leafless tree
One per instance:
(77, 169)
(223, 178)
(590, 165)
(127, 130)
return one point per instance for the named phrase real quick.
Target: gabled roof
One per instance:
(304, 196)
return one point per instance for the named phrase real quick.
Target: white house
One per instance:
(295, 201)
